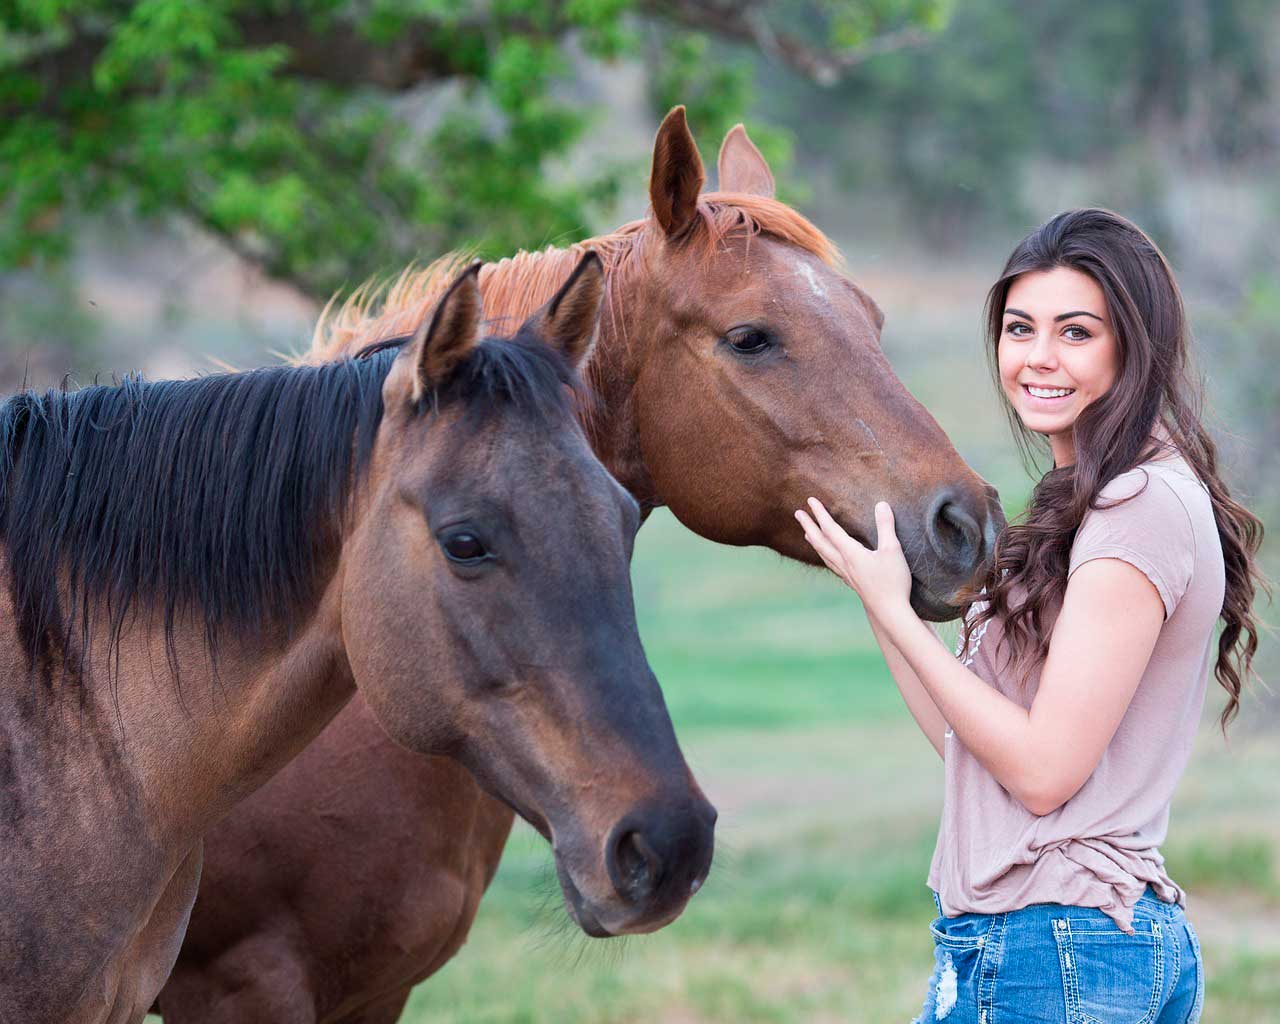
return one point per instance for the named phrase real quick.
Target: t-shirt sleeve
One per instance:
(1151, 531)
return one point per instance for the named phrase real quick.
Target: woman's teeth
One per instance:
(1049, 392)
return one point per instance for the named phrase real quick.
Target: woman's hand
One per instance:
(880, 577)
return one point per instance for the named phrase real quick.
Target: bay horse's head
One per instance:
(487, 610)
(758, 372)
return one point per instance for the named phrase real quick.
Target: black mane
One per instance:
(222, 496)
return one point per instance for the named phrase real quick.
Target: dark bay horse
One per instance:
(199, 574)
(737, 372)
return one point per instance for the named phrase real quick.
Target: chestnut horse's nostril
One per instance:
(955, 535)
(636, 867)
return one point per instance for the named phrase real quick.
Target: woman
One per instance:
(1067, 716)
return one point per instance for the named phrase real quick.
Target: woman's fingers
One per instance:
(886, 532)
(823, 518)
(819, 541)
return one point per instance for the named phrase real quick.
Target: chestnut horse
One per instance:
(200, 573)
(736, 373)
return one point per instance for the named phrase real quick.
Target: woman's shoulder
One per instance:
(1155, 516)
(1164, 490)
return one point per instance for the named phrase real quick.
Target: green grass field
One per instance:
(829, 798)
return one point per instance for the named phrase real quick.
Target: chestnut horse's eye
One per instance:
(464, 548)
(748, 341)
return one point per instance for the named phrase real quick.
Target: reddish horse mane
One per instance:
(516, 286)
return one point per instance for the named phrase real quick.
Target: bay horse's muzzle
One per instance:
(656, 858)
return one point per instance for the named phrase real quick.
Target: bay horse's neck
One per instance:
(189, 747)
(170, 609)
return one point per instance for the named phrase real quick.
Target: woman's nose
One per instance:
(1040, 355)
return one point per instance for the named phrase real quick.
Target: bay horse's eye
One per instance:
(464, 548)
(748, 341)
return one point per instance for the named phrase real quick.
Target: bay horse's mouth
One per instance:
(577, 906)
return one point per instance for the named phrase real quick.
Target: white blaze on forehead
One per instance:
(805, 270)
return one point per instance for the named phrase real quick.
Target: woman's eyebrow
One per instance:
(1078, 312)
(1057, 319)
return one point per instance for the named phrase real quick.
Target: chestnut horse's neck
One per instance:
(513, 289)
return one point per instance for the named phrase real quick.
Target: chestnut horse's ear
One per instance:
(568, 321)
(677, 175)
(442, 342)
(741, 167)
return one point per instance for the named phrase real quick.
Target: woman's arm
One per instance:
(917, 698)
(1110, 619)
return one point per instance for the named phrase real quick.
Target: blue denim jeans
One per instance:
(1053, 964)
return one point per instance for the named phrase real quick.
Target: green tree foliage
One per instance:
(280, 125)
(950, 129)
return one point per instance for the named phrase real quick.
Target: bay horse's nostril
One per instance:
(636, 868)
(954, 533)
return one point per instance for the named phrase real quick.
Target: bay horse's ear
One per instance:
(741, 167)
(677, 175)
(568, 321)
(443, 341)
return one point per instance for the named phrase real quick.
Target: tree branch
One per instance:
(746, 23)
(429, 51)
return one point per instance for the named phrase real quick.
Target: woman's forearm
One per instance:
(919, 703)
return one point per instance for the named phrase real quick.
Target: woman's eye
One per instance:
(1077, 333)
(1018, 330)
(748, 341)
(465, 548)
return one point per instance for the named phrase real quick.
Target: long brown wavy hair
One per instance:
(1154, 387)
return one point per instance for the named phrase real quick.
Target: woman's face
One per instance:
(1057, 352)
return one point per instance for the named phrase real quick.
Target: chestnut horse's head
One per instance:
(758, 379)
(487, 611)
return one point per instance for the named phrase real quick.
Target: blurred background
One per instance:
(183, 185)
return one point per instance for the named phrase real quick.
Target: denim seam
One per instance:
(1176, 946)
(1158, 989)
(1070, 990)
(989, 967)
(1198, 1007)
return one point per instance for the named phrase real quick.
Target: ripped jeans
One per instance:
(1054, 964)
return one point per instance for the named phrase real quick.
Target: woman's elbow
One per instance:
(1041, 805)
(1046, 795)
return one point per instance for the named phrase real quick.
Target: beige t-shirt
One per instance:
(1101, 848)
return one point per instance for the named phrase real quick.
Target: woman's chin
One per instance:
(1046, 423)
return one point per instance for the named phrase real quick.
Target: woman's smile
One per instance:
(1046, 393)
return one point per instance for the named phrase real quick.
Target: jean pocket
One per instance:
(1109, 977)
(968, 931)
(959, 943)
